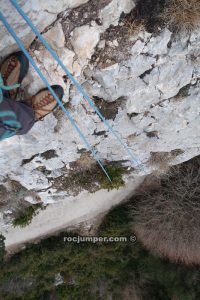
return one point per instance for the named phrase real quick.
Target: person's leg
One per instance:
(41, 105)
(25, 115)
(13, 69)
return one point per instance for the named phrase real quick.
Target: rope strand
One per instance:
(74, 81)
(21, 46)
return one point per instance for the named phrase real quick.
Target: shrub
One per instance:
(178, 15)
(167, 220)
(25, 217)
(160, 161)
(182, 15)
(149, 11)
(96, 271)
(115, 173)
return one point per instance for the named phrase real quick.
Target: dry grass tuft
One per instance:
(182, 15)
(134, 26)
(167, 220)
(177, 15)
(160, 162)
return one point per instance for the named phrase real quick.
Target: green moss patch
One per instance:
(25, 217)
(93, 179)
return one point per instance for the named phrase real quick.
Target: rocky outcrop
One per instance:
(146, 85)
(42, 14)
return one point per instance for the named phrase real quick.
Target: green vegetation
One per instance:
(26, 215)
(115, 174)
(165, 212)
(91, 179)
(96, 271)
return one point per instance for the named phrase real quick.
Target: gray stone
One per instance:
(42, 14)
(55, 37)
(154, 92)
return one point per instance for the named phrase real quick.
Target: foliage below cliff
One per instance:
(96, 271)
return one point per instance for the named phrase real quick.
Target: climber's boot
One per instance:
(44, 103)
(13, 69)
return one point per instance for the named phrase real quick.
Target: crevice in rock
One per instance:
(100, 133)
(147, 72)
(132, 115)
(152, 134)
(183, 92)
(28, 160)
(47, 155)
(108, 109)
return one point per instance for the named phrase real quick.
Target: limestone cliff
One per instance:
(146, 83)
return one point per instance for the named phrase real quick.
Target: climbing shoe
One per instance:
(44, 103)
(13, 69)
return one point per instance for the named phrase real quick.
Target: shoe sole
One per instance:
(59, 92)
(24, 66)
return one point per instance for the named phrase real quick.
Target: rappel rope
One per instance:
(21, 46)
(135, 161)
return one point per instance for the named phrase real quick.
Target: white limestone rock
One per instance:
(158, 45)
(85, 39)
(170, 77)
(55, 76)
(42, 14)
(55, 36)
(111, 13)
(150, 114)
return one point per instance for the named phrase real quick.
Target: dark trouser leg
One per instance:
(24, 114)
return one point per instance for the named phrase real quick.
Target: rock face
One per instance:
(41, 13)
(145, 84)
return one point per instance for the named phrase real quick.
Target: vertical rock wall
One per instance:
(145, 84)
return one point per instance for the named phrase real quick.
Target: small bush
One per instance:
(115, 174)
(118, 271)
(182, 15)
(25, 217)
(177, 15)
(167, 220)
(148, 11)
(160, 161)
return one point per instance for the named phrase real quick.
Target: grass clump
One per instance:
(25, 217)
(90, 179)
(177, 15)
(115, 174)
(182, 15)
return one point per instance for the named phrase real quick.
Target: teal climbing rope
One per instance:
(67, 113)
(10, 123)
(6, 88)
(134, 159)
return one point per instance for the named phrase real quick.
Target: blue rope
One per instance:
(74, 81)
(10, 125)
(6, 88)
(21, 46)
